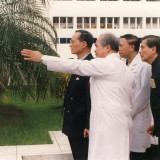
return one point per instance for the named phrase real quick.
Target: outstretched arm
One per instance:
(96, 67)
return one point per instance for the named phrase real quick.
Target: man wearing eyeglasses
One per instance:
(77, 103)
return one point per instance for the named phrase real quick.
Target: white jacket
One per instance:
(111, 86)
(141, 111)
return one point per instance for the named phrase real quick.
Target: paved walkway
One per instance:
(59, 150)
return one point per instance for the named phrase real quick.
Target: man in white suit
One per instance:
(141, 112)
(111, 87)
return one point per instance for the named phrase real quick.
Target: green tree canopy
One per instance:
(23, 26)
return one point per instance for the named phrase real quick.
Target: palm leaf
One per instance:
(23, 26)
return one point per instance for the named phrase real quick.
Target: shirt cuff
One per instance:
(44, 59)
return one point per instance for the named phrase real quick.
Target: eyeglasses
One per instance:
(72, 41)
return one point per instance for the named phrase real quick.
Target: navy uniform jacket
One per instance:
(77, 105)
(155, 95)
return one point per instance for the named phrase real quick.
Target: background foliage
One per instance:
(24, 26)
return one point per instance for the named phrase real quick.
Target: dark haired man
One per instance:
(77, 103)
(141, 112)
(150, 53)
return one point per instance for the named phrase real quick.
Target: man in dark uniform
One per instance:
(77, 103)
(150, 52)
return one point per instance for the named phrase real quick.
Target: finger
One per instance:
(25, 55)
(27, 50)
(28, 59)
(84, 134)
(88, 133)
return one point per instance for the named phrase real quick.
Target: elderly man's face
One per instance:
(75, 44)
(145, 51)
(100, 51)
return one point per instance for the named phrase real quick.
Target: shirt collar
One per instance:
(113, 55)
(84, 56)
(156, 60)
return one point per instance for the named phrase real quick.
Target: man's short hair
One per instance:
(86, 36)
(132, 40)
(151, 41)
(110, 39)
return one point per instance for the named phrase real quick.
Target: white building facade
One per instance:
(118, 17)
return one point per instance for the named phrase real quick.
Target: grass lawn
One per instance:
(26, 123)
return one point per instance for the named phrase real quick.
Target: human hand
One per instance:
(150, 130)
(31, 55)
(86, 133)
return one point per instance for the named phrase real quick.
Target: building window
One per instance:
(93, 22)
(125, 22)
(56, 22)
(79, 22)
(132, 23)
(153, 0)
(109, 22)
(116, 22)
(68, 40)
(70, 22)
(85, 0)
(155, 22)
(63, 22)
(63, 0)
(139, 23)
(86, 22)
(109, 0)
(102, 22)
(63, 40)
(148, 22)
(55, 19)
(131, 0)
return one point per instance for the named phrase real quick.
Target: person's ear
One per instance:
(84, 44)
(108, 48)
(132, 47)
(154, 50)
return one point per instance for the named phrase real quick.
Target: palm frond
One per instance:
(23, 26)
